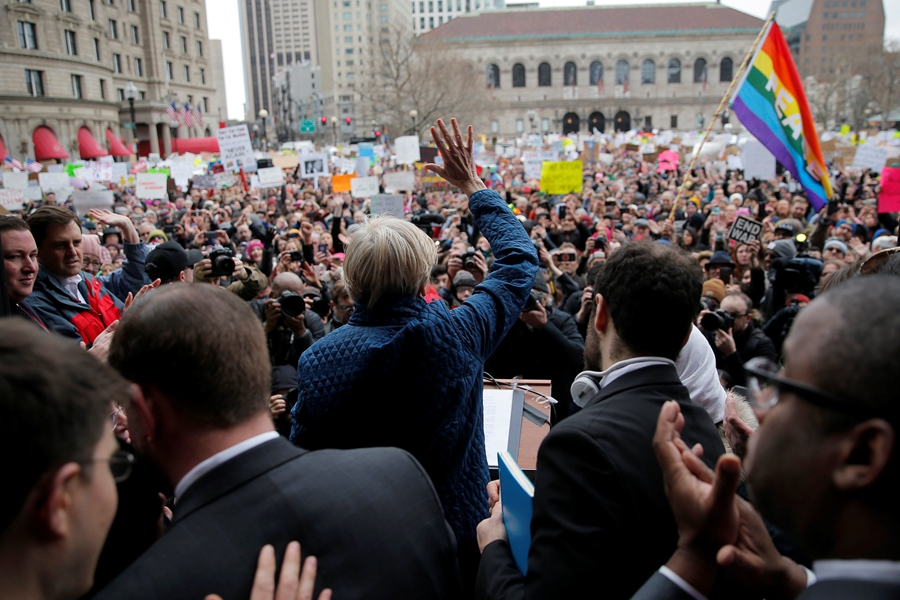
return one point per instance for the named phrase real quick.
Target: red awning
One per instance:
(195, 145)
(89, 147)
(46, 146)
(2, 150)
(116, 148)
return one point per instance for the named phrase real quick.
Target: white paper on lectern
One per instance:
(502, 422)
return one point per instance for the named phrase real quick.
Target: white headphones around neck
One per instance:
(585, 387)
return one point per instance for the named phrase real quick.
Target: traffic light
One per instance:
(324, 120)
(348, 120)
(377, 133)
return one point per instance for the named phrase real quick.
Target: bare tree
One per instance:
(882, 74)
(421, 75)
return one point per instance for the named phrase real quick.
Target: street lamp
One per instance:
(263, 114)
(414, 114)
(334, 130)
(131, 93)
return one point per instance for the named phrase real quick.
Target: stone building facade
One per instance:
(604, 68)
(66, 65)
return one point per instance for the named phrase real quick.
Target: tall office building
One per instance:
(275, 34)
(428, 14)
(349, 35)
(66, 66)
(822, 33)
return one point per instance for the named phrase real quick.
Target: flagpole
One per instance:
(712, 122)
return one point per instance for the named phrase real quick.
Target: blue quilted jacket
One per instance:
(409, 374)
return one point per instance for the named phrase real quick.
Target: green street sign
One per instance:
(307, 126)
(128, 125)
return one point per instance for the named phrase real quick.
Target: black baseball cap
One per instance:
(169, 259)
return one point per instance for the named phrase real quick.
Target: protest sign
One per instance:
(12, 199)
(735, 163)
(151, 185)
(119, 170)
(235, 148)
(270, 177)
(362, 166)
(85, 201)
(15, 181)
(605, 159)
(204, 181)
(533, 168)
(285, 161)
(364, 187)
(254, 182)
(33, 193)
(870, 156)
(342, 183)
(561, 177)
(53, 181)
(889, 198)
(314, 165)
(387, 204)
(400, 181)
(224, 180)
(181, 171)
(758, 161)
(745, 229)
(407, 149)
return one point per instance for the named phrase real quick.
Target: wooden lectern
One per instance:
(531, 434)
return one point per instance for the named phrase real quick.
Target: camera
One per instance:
(798, 275)
(718, 319)
(297, 256)
(468, 259)
(222, 260)
(531, 303)
(426, 222)
(292, 304)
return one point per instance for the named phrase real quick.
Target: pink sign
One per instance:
(889, 198)
(668, 161)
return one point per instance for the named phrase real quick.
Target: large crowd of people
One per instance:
(190, 384)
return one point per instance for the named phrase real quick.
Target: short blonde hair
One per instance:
(387, 255)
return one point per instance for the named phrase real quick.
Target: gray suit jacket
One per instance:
(371, 517)
(660, 587)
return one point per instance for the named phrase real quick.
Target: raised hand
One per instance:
(459, 163)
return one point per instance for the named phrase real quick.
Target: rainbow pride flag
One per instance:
(771, 104)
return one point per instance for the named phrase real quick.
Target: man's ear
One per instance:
(864, 453)
(602, 318)
(142, 413)
(51, 501)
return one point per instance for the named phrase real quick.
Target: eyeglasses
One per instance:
(115, 416)
(764, 384)
(346, 308)
(120, 464)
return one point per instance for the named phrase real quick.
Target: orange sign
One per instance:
(341, 183)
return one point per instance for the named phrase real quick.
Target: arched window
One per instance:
(622, 69)
(493, 76)
(674, 71)
(518, 75)
(570, 74)
(648, 71)
(699, 70)
(726, 69)
(544, 74)
(596, 72)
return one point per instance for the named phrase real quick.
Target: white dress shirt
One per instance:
(217, 459)
(70, 284)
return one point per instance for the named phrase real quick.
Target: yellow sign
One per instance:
(561, 177)
(845, 129)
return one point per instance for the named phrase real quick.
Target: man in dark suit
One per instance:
(824, 464)
(601, 520)
(199, 410)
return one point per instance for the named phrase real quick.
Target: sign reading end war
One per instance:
(745, 230)
(561, 177)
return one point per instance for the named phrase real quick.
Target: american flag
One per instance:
(188, 115)
(33, 166)
(139, 166)
(198, 116)
(13, 162)
(182, 114)
(172, 111)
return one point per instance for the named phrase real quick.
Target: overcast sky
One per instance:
(224, 24)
